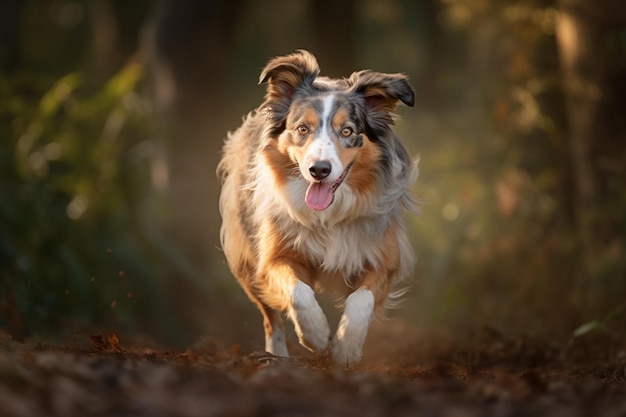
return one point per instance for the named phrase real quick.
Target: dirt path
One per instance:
(499, 379)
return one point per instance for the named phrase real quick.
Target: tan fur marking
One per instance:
(282, 166)
(310, 119)
(340, 118)
(360, 177)
(380, 281)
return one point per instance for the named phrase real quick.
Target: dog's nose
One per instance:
(320, 170)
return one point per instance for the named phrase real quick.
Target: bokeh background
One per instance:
(113, 113)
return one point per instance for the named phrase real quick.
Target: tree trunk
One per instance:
(582, 32)
(581, 80)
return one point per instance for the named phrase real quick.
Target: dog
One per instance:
(314, 186)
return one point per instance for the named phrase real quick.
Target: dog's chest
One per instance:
(347, 249)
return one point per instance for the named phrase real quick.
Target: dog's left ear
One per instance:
(382, 91)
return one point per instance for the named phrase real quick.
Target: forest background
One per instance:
(113, 113)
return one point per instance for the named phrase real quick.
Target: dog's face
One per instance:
(329, 128)
(324, 136)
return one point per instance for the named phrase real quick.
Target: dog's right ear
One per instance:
(284, 75)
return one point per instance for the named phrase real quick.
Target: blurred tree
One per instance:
(505, 167)
(588, 35)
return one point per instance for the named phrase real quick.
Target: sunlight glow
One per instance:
(450, 212)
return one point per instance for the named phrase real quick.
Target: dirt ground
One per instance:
(487, 376)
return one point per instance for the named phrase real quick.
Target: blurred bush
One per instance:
(75, 166)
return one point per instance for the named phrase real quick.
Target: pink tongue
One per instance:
(319, 195)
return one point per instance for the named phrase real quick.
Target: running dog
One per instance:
(314, 184)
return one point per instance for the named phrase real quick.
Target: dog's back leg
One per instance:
(275, 340)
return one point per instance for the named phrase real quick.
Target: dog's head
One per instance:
(328, 127)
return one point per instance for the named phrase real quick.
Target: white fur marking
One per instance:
(347, 345)
(328, 106)
(275, 344)
(308, 318)
(323, 148)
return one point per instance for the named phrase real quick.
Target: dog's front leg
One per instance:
(308, 318)
(285, 291)
(347, 345)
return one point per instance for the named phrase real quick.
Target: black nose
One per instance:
(320, 170)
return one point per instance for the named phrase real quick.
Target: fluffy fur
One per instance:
(313, 187)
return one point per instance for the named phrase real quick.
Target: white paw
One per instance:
(345, 353)
(312, 329)
(275, 342)
(347, 345)
(309, 320)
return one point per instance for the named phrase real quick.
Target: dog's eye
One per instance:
(347, 132)
(302, 129)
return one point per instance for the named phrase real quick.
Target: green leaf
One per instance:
(589, 327)
(59, 93)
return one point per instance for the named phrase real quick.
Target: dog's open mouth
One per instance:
(320, 194)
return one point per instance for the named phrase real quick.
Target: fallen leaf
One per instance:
(113, 342)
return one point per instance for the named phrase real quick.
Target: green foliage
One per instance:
(73, 167)
(607, 324)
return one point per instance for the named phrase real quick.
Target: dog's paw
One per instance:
(309, 320)
(347, 345)
(344, 353)
(312, 329)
